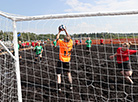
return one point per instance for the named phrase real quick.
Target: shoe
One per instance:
(59, 90)
(71, 88)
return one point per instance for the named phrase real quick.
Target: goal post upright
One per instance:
(17, 66)
(16, 56)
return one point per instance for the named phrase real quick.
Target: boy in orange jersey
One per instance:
(65, 48)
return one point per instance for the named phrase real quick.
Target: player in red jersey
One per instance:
(123, 54)
(33, 44)
(101, 41)
(36, 43)
(76, 42)
(27, 44)
(23, 44)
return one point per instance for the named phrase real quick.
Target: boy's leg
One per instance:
(70, 77)
(127, 77)
(59, 81)
(70, 80)
(58, 71)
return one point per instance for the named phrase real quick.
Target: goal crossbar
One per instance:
(67, 15)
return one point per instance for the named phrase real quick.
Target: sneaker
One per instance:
(59, 90)
(71, 88)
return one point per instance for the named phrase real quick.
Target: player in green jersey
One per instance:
(38, 49)
(55, 43)
(88, 43)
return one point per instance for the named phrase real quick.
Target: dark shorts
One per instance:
(101, 43)
(125, 66)
(88, 48)
(37, 55)
(62, 66)
(23, 46)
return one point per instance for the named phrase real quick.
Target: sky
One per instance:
(46, 7)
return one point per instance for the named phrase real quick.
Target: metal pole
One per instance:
(7, 50)
(17, 62)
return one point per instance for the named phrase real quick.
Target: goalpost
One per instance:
(95, 76)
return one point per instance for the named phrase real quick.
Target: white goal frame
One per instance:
(18, 18)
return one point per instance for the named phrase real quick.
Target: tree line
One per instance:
(28, 36)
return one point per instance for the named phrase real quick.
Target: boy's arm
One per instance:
(58, 35)
(42, 50)
(86, 42)
(34, 48)
(67, 33)
(112, 56)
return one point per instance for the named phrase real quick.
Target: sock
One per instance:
(59, 86)
(70, 86)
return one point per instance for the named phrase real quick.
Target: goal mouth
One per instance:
(30, 72)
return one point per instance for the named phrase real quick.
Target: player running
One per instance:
(38, 49)
(65, 48)
(123, 54)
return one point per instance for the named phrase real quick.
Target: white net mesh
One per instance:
(95, 76)
(8, 83)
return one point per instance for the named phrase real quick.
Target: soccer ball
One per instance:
(62, 27)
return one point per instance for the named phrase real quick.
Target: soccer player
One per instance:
(65, 48)
(19, 46)
(38, 49)
(23, 44)
(27, 44)
(123, 54)
(33, 44)
(76, 42)
(101, 41)
(36, 43)
(88, 43)
(111, 41)
(80, 41)
(55, 43)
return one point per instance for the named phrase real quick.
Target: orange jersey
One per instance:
(65, 50)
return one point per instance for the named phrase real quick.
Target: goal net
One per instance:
(95, 76)
(8, 82)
